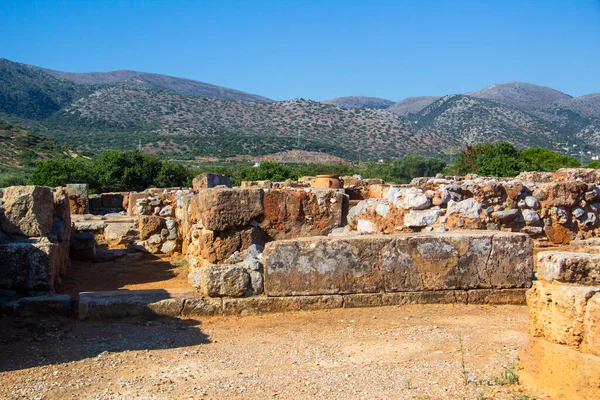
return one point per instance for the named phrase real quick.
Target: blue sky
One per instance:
(317, 49)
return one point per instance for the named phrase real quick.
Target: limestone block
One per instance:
(591, 325)
(33, 264)
(405, 262)
(206, 181)
(563, 266)
(469, 208)
(216, 247)
(222, 209)
(224, 280)
(421, 218)
(28, 211)
(457, 260)
(149, 225)
(557, 311)
(559, 372)
(332, 265)
(117, 233)
(297, 213)
(40, 306)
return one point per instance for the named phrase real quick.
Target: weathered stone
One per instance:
(168, 247)
(425, 297)
(421, 218)
(222, 209)
(149, 225)
(134, 197)
(261, 304)
(557, 311)
(296, 213)
(531, 217)
(571, 267)
(414, 199)
(30, 265)
(505, 216)
(559, 372)
(591, 325)
(89, 225)
(363, 300)
(128, 303)
(28, 211)
(224, 280)
(310, 266)
(206, 181)
(256, 282)
(497, 296)
(401, 262)
(119, 233)
(166, 211)
(155, 239)
(216, 247)
(365, 226)
(469, 208)
(457, 260)
(40, 306)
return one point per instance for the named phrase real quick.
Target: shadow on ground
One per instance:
(131, 270)
(26, 343)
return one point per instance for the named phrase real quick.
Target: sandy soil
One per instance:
(407, 352)
(136, 271)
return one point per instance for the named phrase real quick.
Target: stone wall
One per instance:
(562, 359)
(35, 229)
(554, 212)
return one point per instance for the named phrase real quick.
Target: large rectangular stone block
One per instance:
(563, 266)
(29, 265)
(398, 263)
(28, 211)
(322, 265)
(557, 311)
(222, 209)
(297, 213)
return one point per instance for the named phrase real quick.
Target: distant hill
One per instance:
(359, 102)
(470, 120)
(184, 119)
(411, 105)
(18, 146)
(177, 85)
(587, 106)
(521, 95)
(28, 92)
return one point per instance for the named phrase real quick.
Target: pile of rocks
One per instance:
(222, 222)
(551, 211)
(563, 355)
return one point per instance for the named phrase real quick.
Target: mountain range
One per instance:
(185, 119)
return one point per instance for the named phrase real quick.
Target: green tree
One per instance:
(538, 159)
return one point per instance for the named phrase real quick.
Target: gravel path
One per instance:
(407, 352)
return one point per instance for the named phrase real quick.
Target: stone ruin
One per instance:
(269, 246)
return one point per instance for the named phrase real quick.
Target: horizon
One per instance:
(391, 50)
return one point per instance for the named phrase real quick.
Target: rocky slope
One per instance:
(411, 105)
(177, 85)
(359, 102)
(180, 118)
(521, 95)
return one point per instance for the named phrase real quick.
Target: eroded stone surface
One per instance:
(222, 209)
(402, 262)
(28, 211)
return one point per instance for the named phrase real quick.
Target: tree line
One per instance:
(134, 171)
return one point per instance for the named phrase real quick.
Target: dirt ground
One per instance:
(136, 271)
(406, 352)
